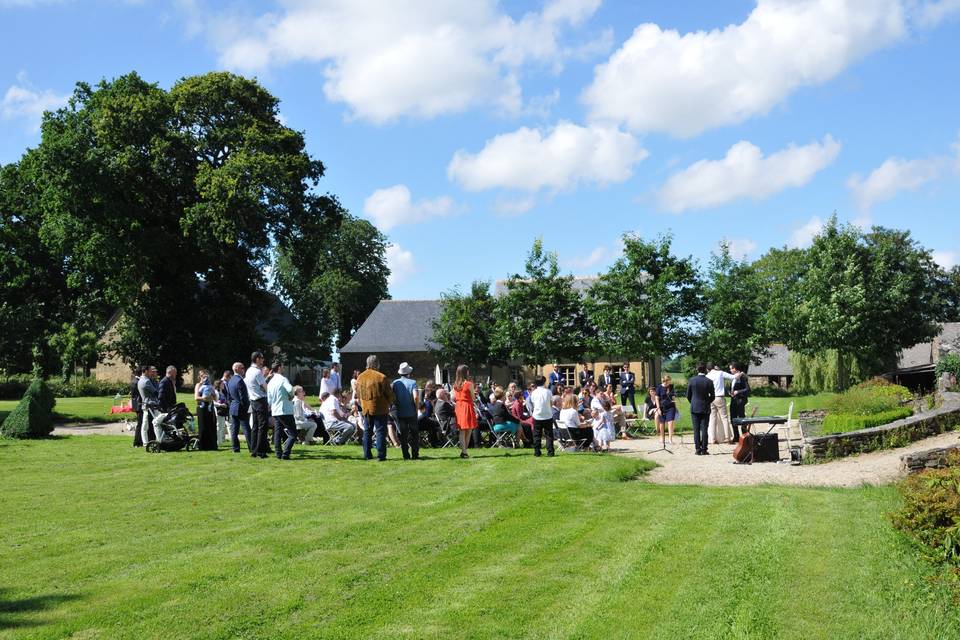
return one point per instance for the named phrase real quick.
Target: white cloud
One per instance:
(892, 177)
(740, 248)
(23, 101)
(803, 236)
(946, 259)
(401, 264)
(660, 80)
(556, 159)
(596, 256)
(393, 59)
(745, 173)
(394, 206)
(931, 14)
(514, 206)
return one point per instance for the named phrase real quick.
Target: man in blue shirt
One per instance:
(280, 400)
(554, 378)
(407, 397)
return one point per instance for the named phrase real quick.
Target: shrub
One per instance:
(949, 362)
(13, 387)
(28, 420)
(844, 422)
(868, 398)
(40, 391)
(931, 512)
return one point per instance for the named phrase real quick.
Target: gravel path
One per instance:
(718, 469)
(111, 429)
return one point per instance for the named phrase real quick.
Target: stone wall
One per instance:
(895, 434)
(928, 459)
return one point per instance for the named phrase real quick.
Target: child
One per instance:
(603, 433)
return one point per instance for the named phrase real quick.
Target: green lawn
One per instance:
(85, 409)
(104, 541)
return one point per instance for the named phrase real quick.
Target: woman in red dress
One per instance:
(465, 410)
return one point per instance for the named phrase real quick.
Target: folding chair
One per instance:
(503, 439)
(448, 429)
(568, 439)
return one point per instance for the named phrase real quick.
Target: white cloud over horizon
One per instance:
(745, 173)
(23, 101)
(946, 258)
(740, 248)
(401, 264)
(556, 159)
(413, 59)
(893, 176)
(394, 206)
(803, 236)
(662, 81)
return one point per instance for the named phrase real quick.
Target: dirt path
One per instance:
(717, 469)
(111, 429)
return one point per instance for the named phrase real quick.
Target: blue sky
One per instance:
(465, 128)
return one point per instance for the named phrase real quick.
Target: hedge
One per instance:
(875, 396)
(13, 387)
(931, 513)
(844, 422)
(28, 420)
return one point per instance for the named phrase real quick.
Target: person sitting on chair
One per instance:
(335, 420)
(446, 413)
(503, 420)
(518, 409)
(303, 421)
(581, 432)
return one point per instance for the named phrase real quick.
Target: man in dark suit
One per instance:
(740, 394)
(586, 375)
(607, 379)
(239, 402)
(700, 394)
(167, 395)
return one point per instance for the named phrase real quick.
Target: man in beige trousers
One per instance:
(720, 430)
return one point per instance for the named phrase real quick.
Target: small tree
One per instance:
(40, 391)
(28, 420)
(540, 318)
(464, 330)
(646, 305)
(734, 324)
(75, 348)
(868, 296)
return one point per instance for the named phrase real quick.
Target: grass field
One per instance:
(85, 409)
(104, 541)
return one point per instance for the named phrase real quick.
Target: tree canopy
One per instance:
(465, 329)
(540, 317)
(169, 206)
(646, 305)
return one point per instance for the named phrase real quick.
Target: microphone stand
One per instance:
(663, 436)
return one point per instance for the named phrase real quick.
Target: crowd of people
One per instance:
(253, 400)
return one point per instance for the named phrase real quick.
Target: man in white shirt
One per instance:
(540, 405)
(335, 420)
(259, 411)
(720, 430)
(280, 398)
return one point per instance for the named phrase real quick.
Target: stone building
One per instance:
(277, 321)
(401, 331)
(774, 369)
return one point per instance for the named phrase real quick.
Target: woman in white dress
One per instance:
(603, 433)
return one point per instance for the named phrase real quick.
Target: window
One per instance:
(568, 375)
(516, 375)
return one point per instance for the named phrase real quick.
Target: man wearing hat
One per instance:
(407, 397)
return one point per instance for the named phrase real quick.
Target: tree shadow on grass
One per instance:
(328, 453)
(11, 609)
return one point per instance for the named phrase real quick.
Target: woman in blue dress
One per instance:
(667, 404)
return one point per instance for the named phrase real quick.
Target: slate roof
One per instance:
(580, 284)
(775, 363)
(396, 325)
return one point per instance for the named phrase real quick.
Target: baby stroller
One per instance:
(175, 430)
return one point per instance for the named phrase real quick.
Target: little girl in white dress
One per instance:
(603, 430)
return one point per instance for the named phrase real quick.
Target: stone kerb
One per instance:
(895, 434)
(927, 459)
